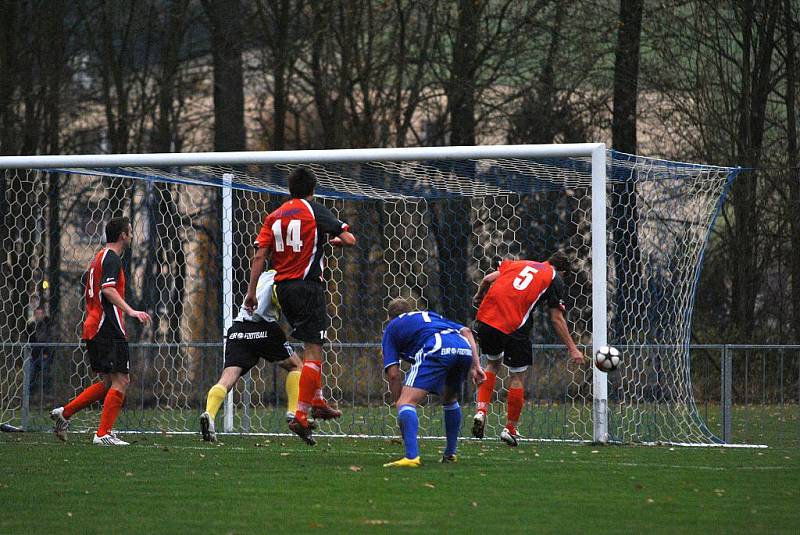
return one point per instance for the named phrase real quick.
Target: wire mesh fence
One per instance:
(743, 393)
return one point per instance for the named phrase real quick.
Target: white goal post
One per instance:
(413, 197)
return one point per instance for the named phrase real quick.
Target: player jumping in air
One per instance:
(441, 352)
(251, 337)
(105, 336)
(505, 299)
(293, 238)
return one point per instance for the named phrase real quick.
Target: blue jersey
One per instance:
(406, 335)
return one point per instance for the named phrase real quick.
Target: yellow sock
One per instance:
(292, 390)
(216, 395)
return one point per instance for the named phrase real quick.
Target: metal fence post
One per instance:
(727, 393)
(26, 386)
(246, 400)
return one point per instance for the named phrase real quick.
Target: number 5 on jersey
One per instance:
(292, 235)
(525, 277)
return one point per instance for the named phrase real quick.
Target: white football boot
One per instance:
(510, 438)
(109, 440)
(60, 424)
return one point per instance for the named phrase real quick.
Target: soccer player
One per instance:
(442, 352)
(251, 337)
(506, 298)
(105, 336)
(293, 237)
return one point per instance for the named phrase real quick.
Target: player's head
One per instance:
(398, 306)
(301, 183)
(560, 261)
(119, 229)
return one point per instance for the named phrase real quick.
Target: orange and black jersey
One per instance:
(102, 317)
(295, 234)
(521, 284)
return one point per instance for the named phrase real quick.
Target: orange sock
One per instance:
(85, 398)
(318, 399)
(485, 392)
(516, 398)
(111, 408)
(310, 376)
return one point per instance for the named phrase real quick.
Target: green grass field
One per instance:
(178, 484)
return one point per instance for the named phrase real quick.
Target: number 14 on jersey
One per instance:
(292, 235)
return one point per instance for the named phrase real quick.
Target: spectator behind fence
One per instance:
(40, 332)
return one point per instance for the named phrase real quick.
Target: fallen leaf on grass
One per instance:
(376, 522)
(430, 485)
(355, 468)
(129, 474)
(284, 454)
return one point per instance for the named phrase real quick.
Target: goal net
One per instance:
(430, 224)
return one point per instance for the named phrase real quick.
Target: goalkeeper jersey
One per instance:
(267, 309)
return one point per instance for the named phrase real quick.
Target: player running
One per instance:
(105, 336)
(293, 238)
(506, 298)
(253, 336)
(441, 352)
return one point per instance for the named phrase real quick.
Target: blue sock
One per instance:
(452, 426)
(409, 424)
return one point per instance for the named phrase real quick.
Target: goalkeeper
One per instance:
(442, 353)
(254, 336)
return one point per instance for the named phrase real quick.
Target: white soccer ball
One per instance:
(607, 359)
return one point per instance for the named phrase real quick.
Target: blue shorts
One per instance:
(445, 359)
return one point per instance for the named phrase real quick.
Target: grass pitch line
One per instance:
(290, 449)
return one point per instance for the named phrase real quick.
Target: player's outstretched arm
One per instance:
(486, 283)
(114, 298)
(395, 381)
(345, 239)
(256, 269)
(562, 330)
(478, 375)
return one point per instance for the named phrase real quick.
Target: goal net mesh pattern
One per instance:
(427, 230)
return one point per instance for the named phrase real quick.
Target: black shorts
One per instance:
(248, 341)
(108, 355)
(515, 348)
(303, 305)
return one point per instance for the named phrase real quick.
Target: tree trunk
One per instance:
(8, 67)
(172, 37)
(626, 76)
(56, 61)
(226, 49)
(756, 86)
(626, 253)
(794, 171)
(280, 75)
(461, 89)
